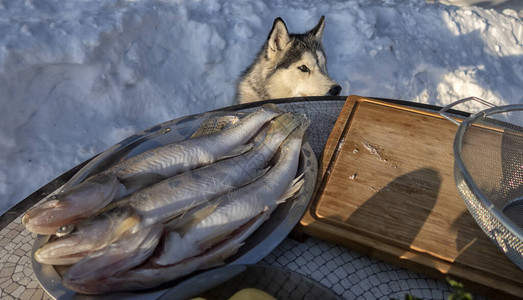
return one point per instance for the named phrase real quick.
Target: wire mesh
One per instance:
(489, 175)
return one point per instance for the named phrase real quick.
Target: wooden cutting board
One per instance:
(386, 188)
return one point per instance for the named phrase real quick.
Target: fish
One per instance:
(215, 238)
(142, 278)
(89, 196)
(238, 207)
(168, 199)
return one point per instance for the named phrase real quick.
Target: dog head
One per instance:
(288, 65)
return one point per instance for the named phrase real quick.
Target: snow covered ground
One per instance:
(496, 4)
(78, 76)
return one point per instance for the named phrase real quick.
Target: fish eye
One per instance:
(64, 230)
(304, 68)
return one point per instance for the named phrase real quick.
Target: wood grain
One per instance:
(386, 188)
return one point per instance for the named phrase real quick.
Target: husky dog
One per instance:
(288, 65)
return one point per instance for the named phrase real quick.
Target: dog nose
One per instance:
(335, 90)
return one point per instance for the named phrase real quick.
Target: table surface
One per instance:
(348, 273)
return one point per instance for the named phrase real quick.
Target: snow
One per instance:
(78, 76)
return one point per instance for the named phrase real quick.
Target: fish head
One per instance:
(70, 206)
(120, 256)
(90, 235)
(63, 251)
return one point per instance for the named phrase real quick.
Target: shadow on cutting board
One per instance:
(398, 211)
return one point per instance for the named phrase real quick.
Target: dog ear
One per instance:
(278, 38)
(317, 32)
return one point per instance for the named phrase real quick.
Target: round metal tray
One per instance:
(256, 247)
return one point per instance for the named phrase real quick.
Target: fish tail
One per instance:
(284, 124)
(303, 124)
(272, 107)
(295, 138)
(293, 189)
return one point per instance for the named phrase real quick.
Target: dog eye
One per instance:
(304, 68)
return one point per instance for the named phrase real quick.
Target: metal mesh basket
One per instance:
(488, 152)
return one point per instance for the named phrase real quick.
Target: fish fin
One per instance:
(215, 124)
(136, 182)
(238, 151)
(293, 189)
(213, 239)
(126, 225)
(186, 221)
(219, 260)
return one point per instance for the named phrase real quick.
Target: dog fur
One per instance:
(288, 65)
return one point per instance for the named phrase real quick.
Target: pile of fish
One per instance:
(172, 210)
